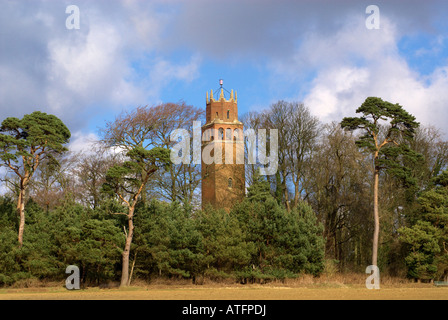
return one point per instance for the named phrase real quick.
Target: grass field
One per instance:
(322, 290)
(249, 293)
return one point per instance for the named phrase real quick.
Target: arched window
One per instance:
(206, 135)
(230, 183)
(236, 135)
(228, 114)
(221, 134)
(228, 134)
(217, 116)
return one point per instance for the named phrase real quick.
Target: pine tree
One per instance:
(127, 182)
(286, 242)
(24, 144)
(386, 148)
(428, 237)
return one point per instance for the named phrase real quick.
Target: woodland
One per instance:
(367, 190)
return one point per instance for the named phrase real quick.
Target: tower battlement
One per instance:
(225, 110)
(221, 96)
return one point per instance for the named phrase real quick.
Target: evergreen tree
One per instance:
(225, 247)
(423, 239)
(387, 147)
(127, 181)
(24, 144)
(168, 242)
(286, 243)
(301, 245)
(428, 237)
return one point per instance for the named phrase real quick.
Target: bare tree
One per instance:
(53, 180)
(90, 174)
(278, 117)
(151, 127)
(339, 191)
(303, 131)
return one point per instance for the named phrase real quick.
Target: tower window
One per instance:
(221, 134)
(228, 134)
(230, 183)
(228, 114)
(217, 116)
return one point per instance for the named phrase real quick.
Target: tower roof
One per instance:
(220, 93)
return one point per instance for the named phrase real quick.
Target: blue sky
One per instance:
(132, 52)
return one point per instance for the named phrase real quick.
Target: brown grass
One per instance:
(348, 286)
(305, 280)
(274, 291)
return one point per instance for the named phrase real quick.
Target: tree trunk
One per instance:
(21, 213)
(132, 268)
(376, 218)
(285, 192)
(21, 208)
(127, 250)
(296, 192)
(143, 194)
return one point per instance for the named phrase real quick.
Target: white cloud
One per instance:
(332, 86)
(128, 51)
(66, 72)
(163, 71)
(355, 63)
(82, 142)
(91, 67)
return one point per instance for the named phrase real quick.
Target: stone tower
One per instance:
(223, 177)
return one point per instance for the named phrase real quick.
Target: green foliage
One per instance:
(394, 153)
(24, 144)
(423, 239)
(129, 177)
(375, 109)
(225, 246)
(91, 243)
(302, 240)
(9, 269)
(69, 235)
(428, 236)
(260, 190)
(8, 214)
(167, 239)
(285, 242)
(34, 133)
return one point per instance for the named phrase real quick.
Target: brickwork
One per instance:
(223, 184)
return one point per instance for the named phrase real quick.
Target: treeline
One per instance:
(333, 169)
(258, 241)
(124, 210)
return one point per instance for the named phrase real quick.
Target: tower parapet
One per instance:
(221, 96)
(222, 109)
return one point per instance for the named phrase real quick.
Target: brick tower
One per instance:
(223, 177)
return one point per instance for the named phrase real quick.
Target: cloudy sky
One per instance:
(132, 53)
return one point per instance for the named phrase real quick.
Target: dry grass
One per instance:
(336, 286)
(329, 280)
(297, 290)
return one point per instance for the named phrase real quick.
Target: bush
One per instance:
(287, 242)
